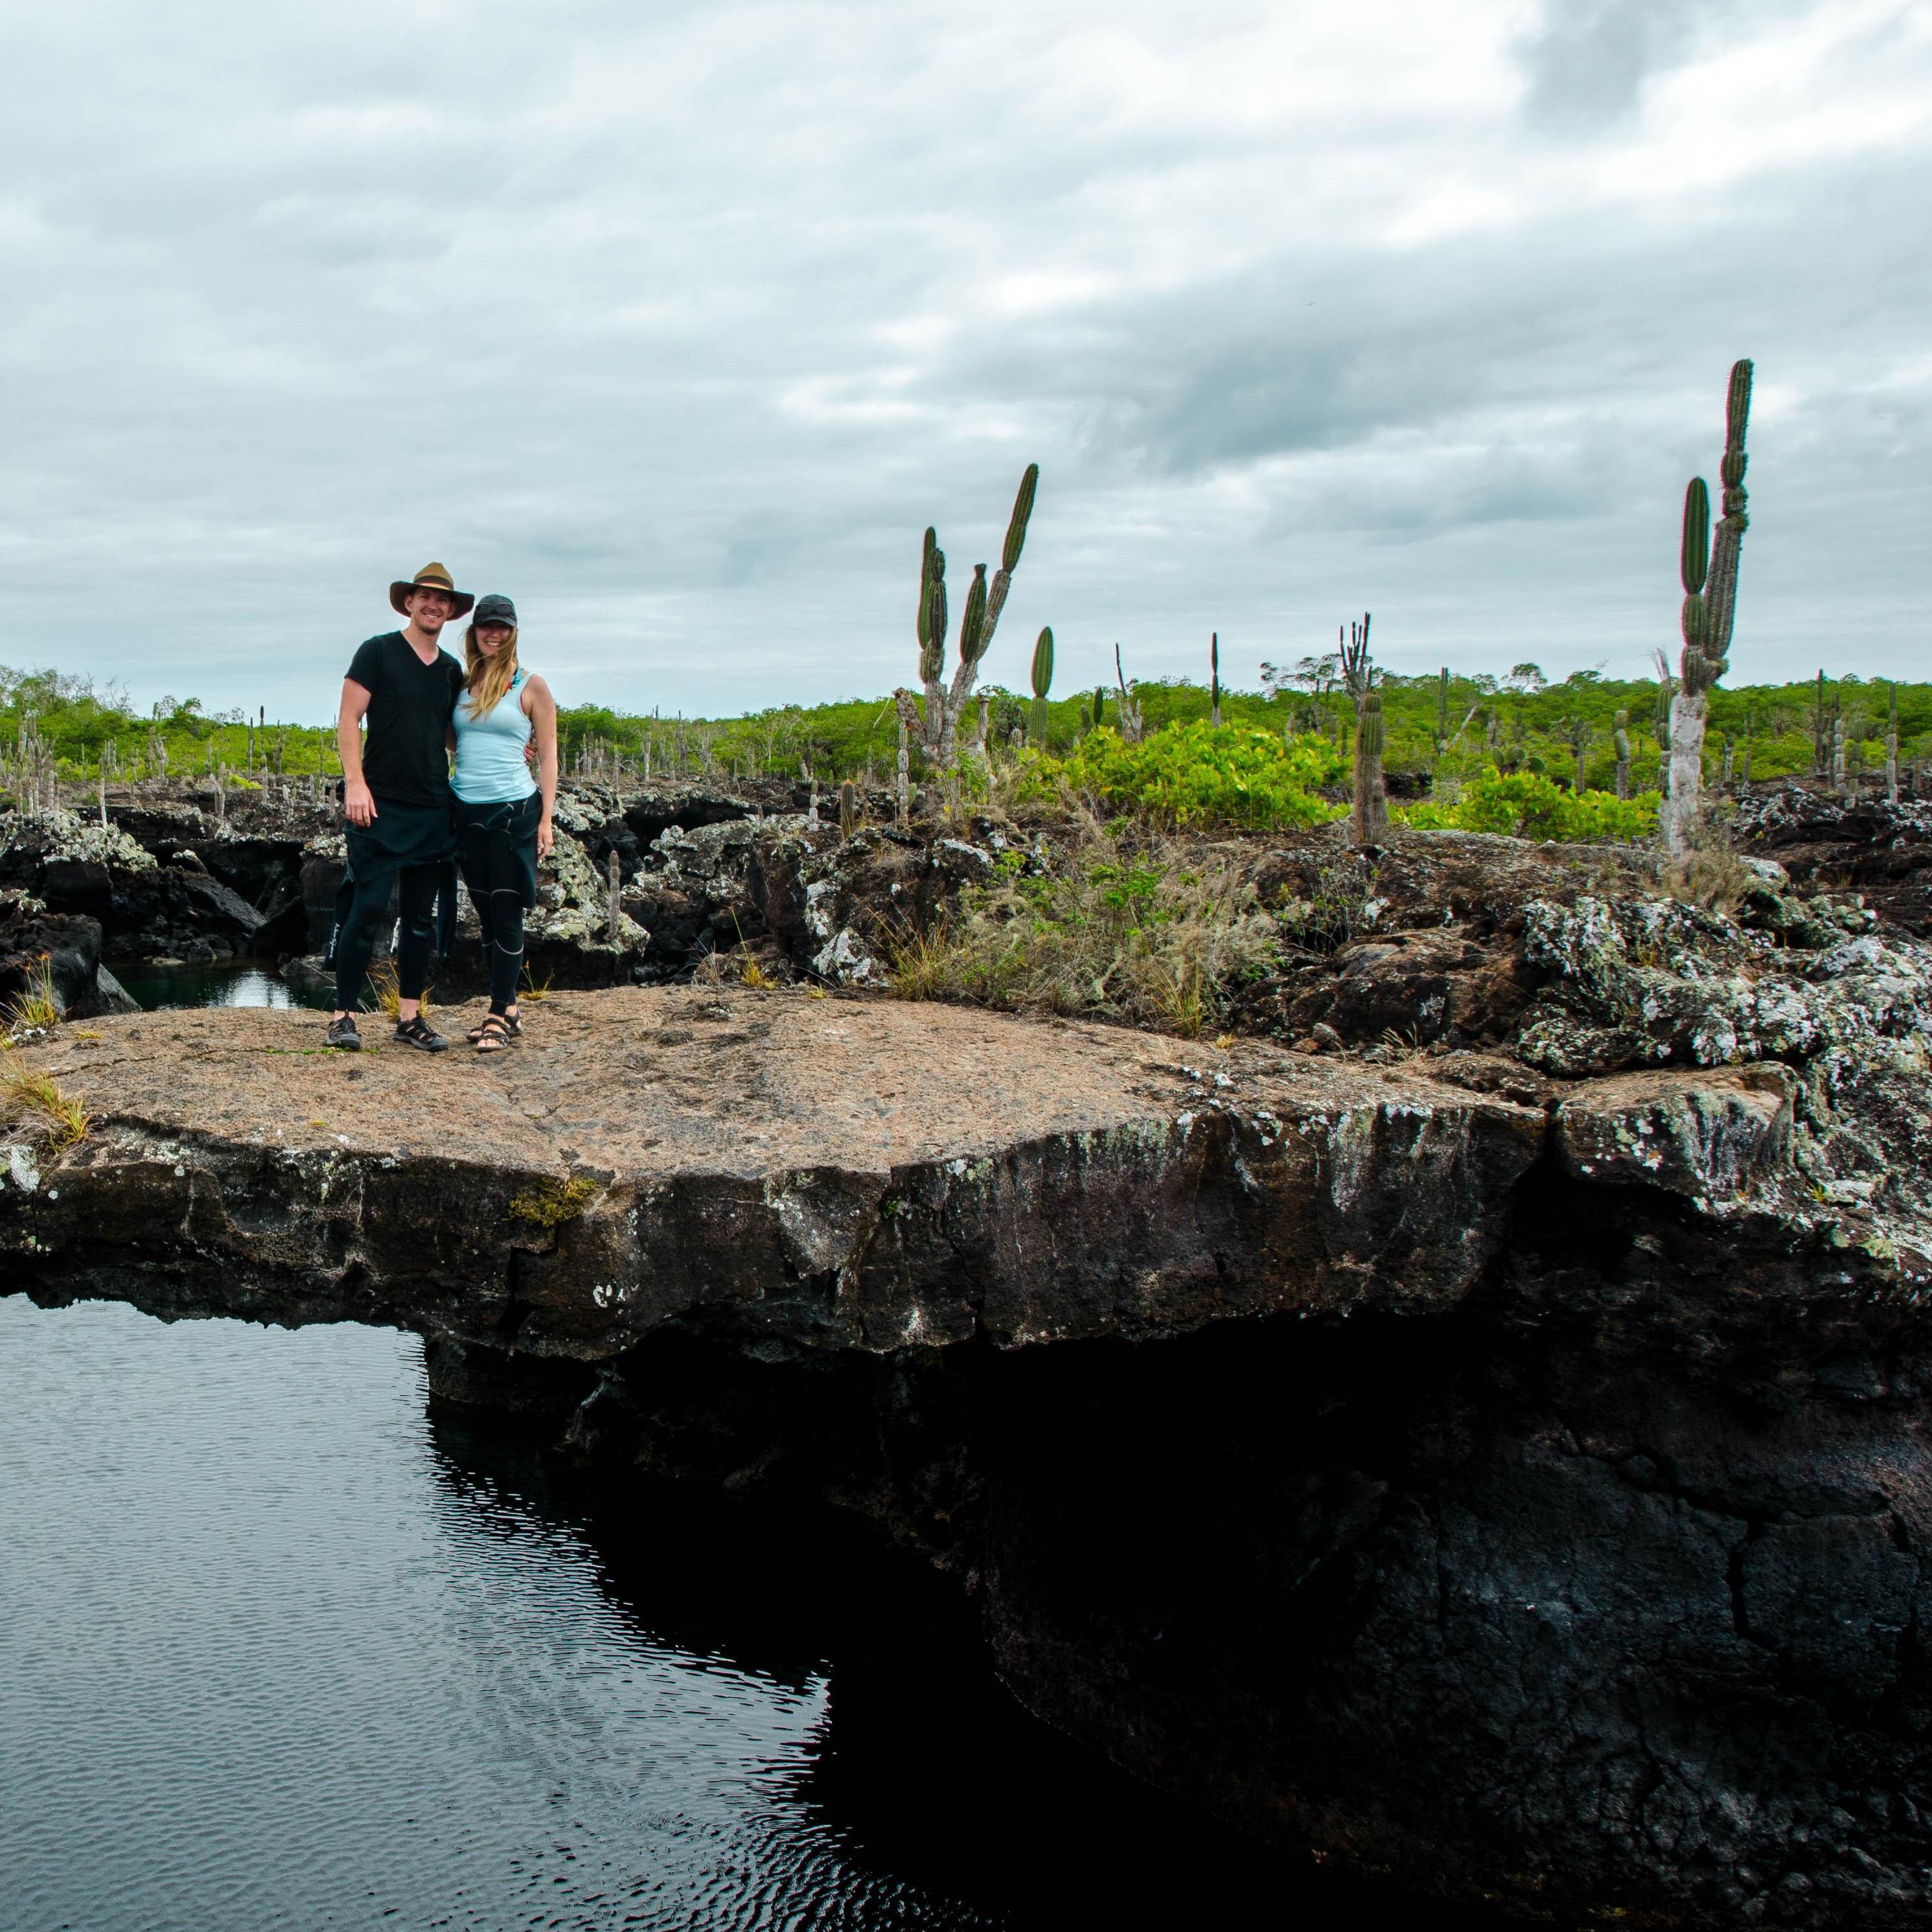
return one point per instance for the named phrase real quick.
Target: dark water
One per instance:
(225, 982)
(278, 1648)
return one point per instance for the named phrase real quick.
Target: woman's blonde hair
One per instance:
(487, 678)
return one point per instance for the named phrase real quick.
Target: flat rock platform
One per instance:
(836, 1172)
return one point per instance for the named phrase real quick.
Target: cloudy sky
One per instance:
(680, 322)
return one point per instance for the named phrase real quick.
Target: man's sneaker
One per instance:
(342, 1034)
(419, 1032)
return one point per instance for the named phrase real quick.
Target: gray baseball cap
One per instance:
(495, 609)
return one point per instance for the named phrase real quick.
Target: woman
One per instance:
(503, 819)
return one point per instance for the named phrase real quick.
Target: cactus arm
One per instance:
(1729, 538)
(1016, 525)
(1042, 664)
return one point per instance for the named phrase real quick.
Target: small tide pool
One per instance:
(220, 983)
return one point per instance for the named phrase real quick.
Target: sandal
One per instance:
(507, 1023)
(418, 1032)
(495, 1034)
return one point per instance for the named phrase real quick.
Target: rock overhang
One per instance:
(833, 1173)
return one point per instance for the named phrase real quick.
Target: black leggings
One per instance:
(416, 908)
(503, 919)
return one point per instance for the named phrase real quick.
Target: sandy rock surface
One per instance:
(853, 1173)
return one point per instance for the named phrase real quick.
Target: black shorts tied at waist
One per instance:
(497, 847)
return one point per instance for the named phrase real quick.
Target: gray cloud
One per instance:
(1586, 59)
(681, 326)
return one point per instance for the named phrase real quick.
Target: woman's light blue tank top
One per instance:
(490, 768)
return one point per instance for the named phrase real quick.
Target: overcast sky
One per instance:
(680, 323)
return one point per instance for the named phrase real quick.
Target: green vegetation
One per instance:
(1526, 805)
(1459, 730)
(1189, 776)
(1516, 723)
(548, 1202)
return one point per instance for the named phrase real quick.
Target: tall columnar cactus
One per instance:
(1891, 747)
(1371, 825)
(1099, 707)
(1580, 734)
(1214, 679)
(1132, 725)
(1709, 568)
(1620, 738)
(1042, 682)
(1442, 711)
(938, 729)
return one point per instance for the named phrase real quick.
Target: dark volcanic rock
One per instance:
(1859, 844)
(34, 942)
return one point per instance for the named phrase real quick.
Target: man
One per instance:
(396, 797)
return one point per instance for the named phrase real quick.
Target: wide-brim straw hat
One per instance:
(431, 576)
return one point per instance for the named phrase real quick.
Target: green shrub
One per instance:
(1193, 775)
(1526, 805)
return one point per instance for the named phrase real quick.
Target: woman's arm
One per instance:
(542, 708)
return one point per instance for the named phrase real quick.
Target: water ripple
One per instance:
(269, 1659)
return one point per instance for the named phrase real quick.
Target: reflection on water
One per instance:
(222, 983)
(279, 1650)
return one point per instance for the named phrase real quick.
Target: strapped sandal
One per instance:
(494, 1035)
(418, 1032)
(508, 1023)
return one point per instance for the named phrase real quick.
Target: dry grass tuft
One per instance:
(35, 1099)
(1713, 876)
(384, 983)
(35, 1010)
(1147, 929)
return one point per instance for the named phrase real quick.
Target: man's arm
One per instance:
(356, 801)
(543, 729)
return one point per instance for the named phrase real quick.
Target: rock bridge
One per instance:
(1514, 1485)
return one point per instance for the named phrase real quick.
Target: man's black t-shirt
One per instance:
(406, 756)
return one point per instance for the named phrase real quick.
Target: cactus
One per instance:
(1708, 569)
(1442, 711)
(1369, 824)
(1099, 705)
(848, 809)
(1214, 679)
(931, 612)
(1891, 747)
(1580, 734)
(1042, 682)
(1620, 739)
(1131, 723)
(938, 730)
